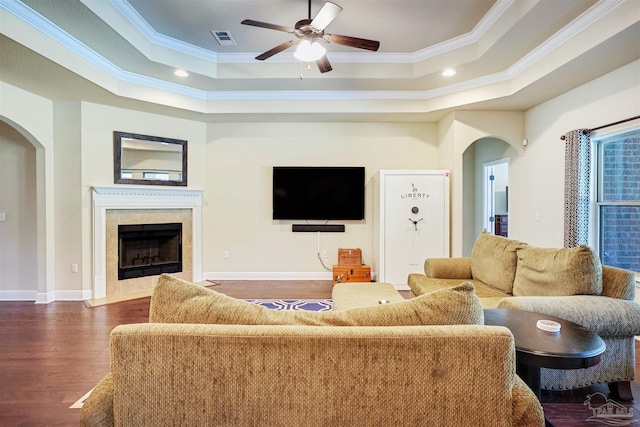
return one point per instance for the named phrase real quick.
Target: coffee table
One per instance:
(574, 347)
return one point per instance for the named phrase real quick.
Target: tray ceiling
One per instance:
(509, 54)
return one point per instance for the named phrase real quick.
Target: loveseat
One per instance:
(568, 283)
(207, 359)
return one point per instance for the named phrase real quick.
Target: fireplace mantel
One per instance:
(134, 197)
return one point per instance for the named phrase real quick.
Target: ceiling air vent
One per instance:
(224, 38)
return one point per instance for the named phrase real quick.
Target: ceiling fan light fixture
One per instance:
(309, 52)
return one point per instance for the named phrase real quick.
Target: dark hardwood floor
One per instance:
(51, 355)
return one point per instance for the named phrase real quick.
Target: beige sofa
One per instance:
(221, 361)
(567, 283)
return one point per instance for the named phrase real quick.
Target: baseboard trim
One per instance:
(48, 297)
(45, 297)
(18, 295)
(239, 275)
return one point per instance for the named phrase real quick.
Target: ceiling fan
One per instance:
(308, 32)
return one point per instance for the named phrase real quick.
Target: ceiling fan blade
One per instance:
(277, 49)
(267, 25)
(352, 41)
(327, 14)
(324, 65)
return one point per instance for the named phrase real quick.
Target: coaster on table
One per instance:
(548, 325)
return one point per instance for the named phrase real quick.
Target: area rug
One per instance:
(295, 304)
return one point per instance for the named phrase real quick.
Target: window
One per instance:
(160, 176)
(618, 199)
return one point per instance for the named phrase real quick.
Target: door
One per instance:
(495, 196)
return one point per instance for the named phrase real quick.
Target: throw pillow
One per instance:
(558, 272)
(178, 301)
(493, 261)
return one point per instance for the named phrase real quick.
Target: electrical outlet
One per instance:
(226, 254)
(74, 268)
(324, 254)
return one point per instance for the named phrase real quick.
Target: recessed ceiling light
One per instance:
(449, 72)
(181, 73)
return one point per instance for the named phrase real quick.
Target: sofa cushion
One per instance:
(97, 409)
(493, 261)
(557, 272)
(178, 301)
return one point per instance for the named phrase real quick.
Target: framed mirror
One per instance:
(149, 160)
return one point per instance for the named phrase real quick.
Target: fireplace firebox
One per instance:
(149, 250)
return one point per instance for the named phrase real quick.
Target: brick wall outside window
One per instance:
(620, 224)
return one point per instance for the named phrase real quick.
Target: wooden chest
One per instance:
(349, 256)
(351, 273)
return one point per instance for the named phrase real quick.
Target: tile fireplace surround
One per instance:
(116, 205)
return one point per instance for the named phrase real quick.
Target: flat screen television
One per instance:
(318, 192)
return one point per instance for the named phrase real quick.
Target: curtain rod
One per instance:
(609, 125)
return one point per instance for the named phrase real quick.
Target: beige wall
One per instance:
(457, 132)
(232, 163)
(68, 195)
(18, 239)
(237, 216)
(32, 117)
(98, 122)
(539, 173)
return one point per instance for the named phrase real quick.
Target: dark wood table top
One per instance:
(573, 347)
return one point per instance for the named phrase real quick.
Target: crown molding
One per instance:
(581, 23)
(125, 8)
(49, 29)
(487, 21)
(28, 15)
(344, 57)
(141, 25)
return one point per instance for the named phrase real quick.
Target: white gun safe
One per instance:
(411, 222)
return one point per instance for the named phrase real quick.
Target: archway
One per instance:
(22, 235)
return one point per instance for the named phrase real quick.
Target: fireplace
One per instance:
(136, 205)
(149, 249)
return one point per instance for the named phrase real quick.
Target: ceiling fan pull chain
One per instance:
(301, 71)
